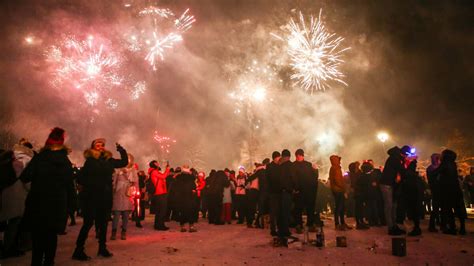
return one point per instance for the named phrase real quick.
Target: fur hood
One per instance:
(20, 149)
(91, 153)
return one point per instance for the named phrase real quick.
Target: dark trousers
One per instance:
(435, 213)
(99, 216)
(252, 201)
(274, 211)
(359, 209)
(339, 209)
(160, 204)
(44, 247)
(283, 222)
(241, 206)
(305, 201)
(215, 208)
(373, 212)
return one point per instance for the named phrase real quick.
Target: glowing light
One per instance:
(29, 40)
(383, 136)
(259, 94)
(316, 54)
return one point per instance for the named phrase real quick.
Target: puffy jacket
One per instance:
(159, 180)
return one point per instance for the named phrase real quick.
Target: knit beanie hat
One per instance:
(55, 137)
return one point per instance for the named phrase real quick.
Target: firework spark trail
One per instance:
(80, 65)
(166, 31)
(159, 47)
(316, 54)
(153, 10)
(185, 22)
(164, 142)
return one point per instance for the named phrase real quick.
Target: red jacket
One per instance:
(159, 179)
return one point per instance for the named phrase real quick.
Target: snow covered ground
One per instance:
(238, 245)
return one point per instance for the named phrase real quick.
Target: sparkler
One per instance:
(164, 142)
(316, 54)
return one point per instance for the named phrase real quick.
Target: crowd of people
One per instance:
(41, 190)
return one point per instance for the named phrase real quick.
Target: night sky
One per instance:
(409, 72)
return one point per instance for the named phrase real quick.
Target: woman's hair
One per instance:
(152, 164)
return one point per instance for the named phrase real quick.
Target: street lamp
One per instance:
(383, 137)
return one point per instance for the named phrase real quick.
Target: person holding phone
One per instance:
(95, 178)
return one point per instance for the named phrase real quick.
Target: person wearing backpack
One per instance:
(159, 200)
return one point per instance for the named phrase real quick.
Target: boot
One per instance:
(104, 252)
(183, 229)
(79, 254)
(416, 232)
(462, 230)
(138, 224)
(123, 235)
(113, 236)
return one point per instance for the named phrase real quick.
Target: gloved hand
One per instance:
(119, 147)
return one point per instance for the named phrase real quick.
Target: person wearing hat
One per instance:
(241, 195)
(306, 181)
(95, 178)
(51, 175)
(272, 174)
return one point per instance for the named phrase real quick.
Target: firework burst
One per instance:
(85, 66)
(161, 32)
(164, 142)
(316, 54)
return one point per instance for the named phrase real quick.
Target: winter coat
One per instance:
(241, 181)
(227, 194)
(124, 178)
(184, 192)
(95, 177)
(51, 176)
(159, 179)
(433, 181)
(201, 184)
(306, 177)
(287, 178)
(450, 191)
(393, 167)
(253, 182)
(361, 186)
(272, 173)
(13, 197)
(336, 178)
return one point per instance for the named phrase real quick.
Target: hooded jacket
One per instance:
(393, 167)
(335, 175)
(159, 180)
